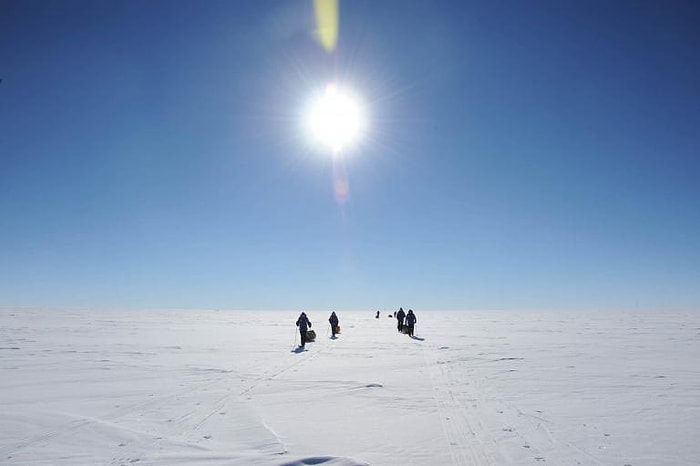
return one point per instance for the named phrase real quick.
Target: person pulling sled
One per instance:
(399, 319)
(410, 322)
(335, 329)
(304, 324)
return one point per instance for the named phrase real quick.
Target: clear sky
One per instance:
(519, 155)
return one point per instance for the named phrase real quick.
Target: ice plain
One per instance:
(176, 387)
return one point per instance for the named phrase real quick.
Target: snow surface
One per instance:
(229, 388)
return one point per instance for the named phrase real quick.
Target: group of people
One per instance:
(304, 324)
(406, 323)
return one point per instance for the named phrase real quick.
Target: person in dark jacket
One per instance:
(334, 323)
(304, 324)
(410, 322)
(399, 319)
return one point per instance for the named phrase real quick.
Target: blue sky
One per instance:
(520, 155)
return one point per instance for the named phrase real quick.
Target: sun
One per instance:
(336, 119)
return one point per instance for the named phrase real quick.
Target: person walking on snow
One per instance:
(334, 323)
(303, 323)
(410, 322)
(399, 319)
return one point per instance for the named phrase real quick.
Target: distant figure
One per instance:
(377, 316)
(303, 323)
(410, 322)
(334, 323)
(399, 319)
(394, 314)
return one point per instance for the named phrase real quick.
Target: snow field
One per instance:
(230, 388)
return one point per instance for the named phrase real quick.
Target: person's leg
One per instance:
(303, 337)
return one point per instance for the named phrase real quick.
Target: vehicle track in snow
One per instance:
(484, 430)
(462, 435)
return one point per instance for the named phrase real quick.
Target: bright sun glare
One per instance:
(335, 119)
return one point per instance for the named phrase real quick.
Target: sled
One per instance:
(310, 335)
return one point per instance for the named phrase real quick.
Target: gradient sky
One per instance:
(520, 155)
